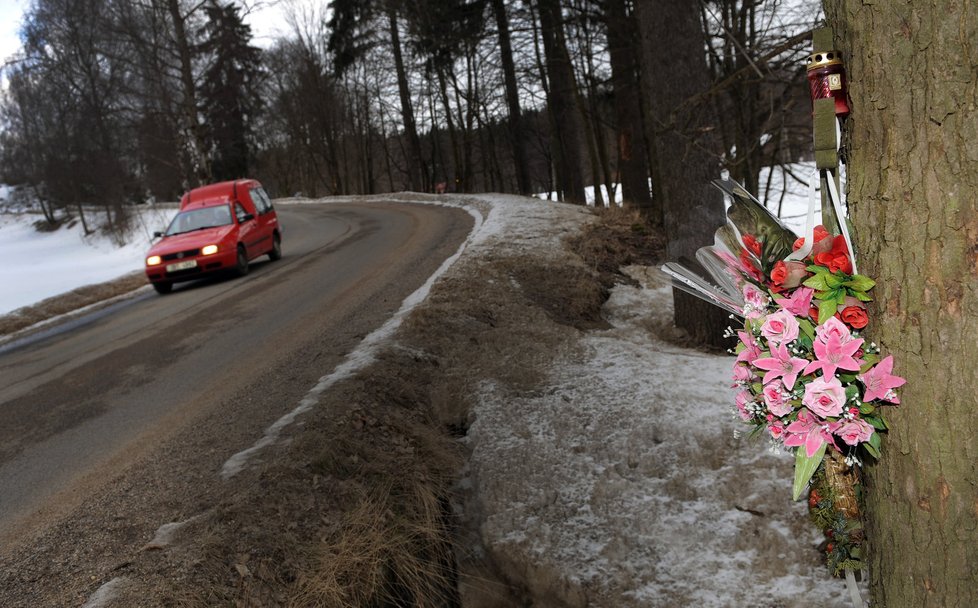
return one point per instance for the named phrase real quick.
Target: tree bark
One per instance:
(512, 98)
(633, 162)
(913, 198)
(562, 105)
(415, 165)
(674, 71)
(193, 135)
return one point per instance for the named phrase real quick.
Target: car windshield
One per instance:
(198, 219)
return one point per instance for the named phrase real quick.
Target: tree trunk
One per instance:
(562, 104)
(913, 198)
(512, 98)
(633, 163)
(674, 71)
(415, 165)
(193, 136)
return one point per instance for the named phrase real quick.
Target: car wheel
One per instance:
(276, 252)
(163, 288)
(241, 268)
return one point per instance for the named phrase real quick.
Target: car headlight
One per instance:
(208, 250)
(154, 260)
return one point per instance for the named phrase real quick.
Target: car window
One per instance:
(262, 202)
(198, 219)
(240, 213)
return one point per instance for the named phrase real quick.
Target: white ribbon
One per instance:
(813, 205)
(854, 597)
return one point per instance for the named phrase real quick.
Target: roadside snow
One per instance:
(620, 482)
(38, 265)
(625, 479)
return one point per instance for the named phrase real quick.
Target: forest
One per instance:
(117, 102)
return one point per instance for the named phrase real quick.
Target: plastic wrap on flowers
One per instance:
(806, 376)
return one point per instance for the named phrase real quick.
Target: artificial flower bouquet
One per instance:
(805, 376)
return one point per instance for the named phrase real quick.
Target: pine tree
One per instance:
(229, 92)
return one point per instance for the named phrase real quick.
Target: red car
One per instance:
(220, 227)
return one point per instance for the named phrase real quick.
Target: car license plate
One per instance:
(181, 265)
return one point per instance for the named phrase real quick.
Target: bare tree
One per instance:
(674, 72)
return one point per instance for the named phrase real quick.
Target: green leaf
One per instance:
(873, 451)
(834, 281)
(806, 328)
(817, 282)
(851, 391)
(860, 283)
(826, 310)
(804, 469)
(840, 297)
(862, 297)
(875, 441)
(877, 422)
(869, 360)
(866, 408)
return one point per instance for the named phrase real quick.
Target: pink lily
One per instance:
(809, 431)
(781, 365)
(834, 354)
(879, 382)
(799, 303)
(752, 352)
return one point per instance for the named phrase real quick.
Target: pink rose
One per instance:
(776, 428)
(742, 375)
(774, 397)
(825, 397)
(780, 327)
(833, 327)
(855, 431)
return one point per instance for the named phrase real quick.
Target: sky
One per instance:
(11, 13)
(266, 18)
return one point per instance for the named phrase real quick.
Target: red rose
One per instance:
(836, 259)
(820, 234)
(788, 274)
(752, 244)
(855, 317)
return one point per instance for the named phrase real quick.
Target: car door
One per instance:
(248, 233)
(267, 218)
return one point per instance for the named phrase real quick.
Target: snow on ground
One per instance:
(38, 265)
(630, 483)
(620, 481)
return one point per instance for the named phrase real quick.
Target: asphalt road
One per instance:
(80, 407)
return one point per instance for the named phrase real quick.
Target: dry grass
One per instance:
(621, 237)
(393, 549)
(69, 302)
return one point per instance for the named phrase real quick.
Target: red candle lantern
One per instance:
(827, 78)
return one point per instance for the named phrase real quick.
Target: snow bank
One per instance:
(38, 265)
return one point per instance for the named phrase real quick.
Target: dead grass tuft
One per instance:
(620, 237)
(69, 302)
(393, 549)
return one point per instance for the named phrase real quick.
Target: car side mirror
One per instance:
(247, 217)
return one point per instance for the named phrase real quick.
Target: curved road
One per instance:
(216, 359)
